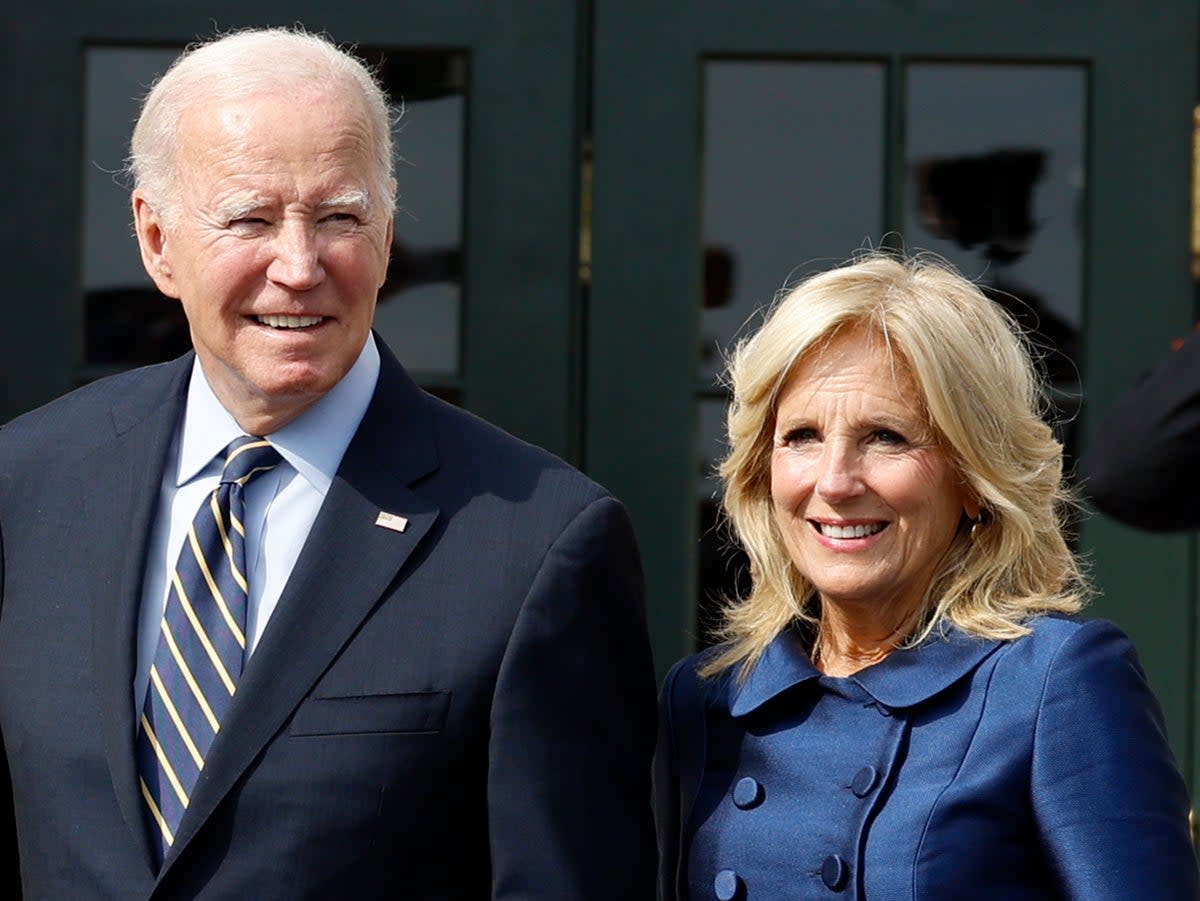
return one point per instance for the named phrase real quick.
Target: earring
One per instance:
(975, 524)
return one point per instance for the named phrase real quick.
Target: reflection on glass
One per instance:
(126, 320)
(420, 305)
(793, 182)
(995, 165)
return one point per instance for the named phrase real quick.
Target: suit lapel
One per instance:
(345, 568)
(124, 474)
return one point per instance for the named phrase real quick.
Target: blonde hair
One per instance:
(984, 403)
(237, 64)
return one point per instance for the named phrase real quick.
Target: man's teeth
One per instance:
(831, 531)
(288, 321)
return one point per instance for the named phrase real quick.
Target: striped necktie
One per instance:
(201, 644)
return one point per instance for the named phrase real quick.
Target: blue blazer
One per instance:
(462, 710)
(962, 769)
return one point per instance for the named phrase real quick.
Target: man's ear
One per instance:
(152, 242)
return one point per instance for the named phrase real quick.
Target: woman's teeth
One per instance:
(829, 530)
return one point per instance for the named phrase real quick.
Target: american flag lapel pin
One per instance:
(391, 521)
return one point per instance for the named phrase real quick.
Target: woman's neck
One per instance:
(851, 638)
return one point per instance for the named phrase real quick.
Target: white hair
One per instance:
(237, 64)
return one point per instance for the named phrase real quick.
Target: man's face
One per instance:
(280, 247)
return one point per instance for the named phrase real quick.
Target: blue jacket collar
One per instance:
(904, 678)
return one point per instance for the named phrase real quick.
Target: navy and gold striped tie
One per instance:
(201, 645)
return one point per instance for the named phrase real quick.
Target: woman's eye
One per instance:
(799, 436)
(887, 436)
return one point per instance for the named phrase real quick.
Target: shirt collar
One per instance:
(904, 678)
(314, 443)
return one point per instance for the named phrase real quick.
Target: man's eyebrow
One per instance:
(356, 198)
(237, 207)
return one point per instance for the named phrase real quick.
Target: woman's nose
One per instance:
(840, 475)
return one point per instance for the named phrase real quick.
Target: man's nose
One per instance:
(296, 261)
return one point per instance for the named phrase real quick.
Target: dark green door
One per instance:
(1043, 147)
(482, 299)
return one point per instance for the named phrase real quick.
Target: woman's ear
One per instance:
(972, 506)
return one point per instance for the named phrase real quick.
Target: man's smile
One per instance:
(289, 322)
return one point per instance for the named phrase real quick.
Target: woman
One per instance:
(904, 706)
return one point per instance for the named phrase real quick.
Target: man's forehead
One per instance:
(215, 123)
(249, 152)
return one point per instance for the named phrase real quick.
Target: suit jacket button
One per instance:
(834, 873)
(727, 886)
(748, 793)
(864, 781)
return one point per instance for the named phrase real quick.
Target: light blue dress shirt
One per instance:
(281, 505)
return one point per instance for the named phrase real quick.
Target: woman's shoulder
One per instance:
(690, 691)
(1053, 633)
(1071, 647)
(684, 680)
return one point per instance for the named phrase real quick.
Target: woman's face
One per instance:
(866, 502)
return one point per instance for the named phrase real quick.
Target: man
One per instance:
(423, 672)
(1141, 468)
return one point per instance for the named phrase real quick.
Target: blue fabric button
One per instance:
(727, 886)
(864, 780)
(748, 793)
(834, 873)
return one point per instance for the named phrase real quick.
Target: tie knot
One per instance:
(247, 456)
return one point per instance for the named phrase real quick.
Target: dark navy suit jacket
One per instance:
(963, 769)
(462, 710)
(1141, 467)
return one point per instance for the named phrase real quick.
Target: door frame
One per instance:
(646, 278)
(521, 321)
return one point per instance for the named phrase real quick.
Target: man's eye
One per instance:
(248, 222)
(341, 218)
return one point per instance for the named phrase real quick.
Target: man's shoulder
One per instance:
(94, 410)
(472, 447)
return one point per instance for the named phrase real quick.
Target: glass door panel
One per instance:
(793, 180)
(995, 183)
